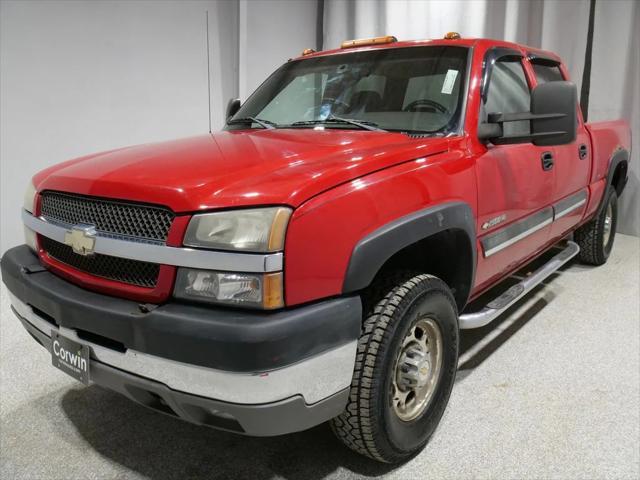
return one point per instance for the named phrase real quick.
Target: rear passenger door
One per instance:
(572, 162)
(515, 187)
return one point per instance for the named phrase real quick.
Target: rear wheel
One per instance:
(405, 369)
(596, 237)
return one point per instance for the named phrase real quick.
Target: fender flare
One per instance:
(373, 251)
(619, 156)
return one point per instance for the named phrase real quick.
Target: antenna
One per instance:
(208, 70)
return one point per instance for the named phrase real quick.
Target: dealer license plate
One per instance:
(70, 357)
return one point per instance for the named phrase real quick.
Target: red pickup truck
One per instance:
(316, 259)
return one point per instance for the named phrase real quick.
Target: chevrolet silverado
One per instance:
(316, 259)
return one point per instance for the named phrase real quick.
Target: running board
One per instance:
(498, 305)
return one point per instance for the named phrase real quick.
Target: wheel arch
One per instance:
(439, 240)
(617, 173)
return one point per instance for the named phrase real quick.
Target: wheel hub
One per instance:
(414, 368)
(417, 369)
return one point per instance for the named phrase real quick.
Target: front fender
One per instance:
(373, 251)
(323, 233)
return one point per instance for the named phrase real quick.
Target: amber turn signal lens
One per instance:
(272, 291)
(278, 229)
(368, 41)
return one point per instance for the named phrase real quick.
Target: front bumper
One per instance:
(259, 395)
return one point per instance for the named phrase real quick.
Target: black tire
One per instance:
(369, 425)
(591, 237)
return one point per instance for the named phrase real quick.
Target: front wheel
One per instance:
(405, 368)
(596, 237)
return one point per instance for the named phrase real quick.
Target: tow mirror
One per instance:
(554, 98)
(553, 117)
(232, 108)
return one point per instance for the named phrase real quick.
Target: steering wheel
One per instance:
(431, 105)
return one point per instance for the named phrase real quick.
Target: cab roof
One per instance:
(484, 43)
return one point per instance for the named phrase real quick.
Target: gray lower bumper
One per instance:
(288, 415)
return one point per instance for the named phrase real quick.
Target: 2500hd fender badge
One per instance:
(494, 221)
(81, 238)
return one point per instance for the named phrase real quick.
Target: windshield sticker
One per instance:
(449, 81)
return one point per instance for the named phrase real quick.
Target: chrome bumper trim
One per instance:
(155, 253)
(315, 378)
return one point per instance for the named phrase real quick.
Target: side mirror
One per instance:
(554, 98)
(553, 117)
(232, 108)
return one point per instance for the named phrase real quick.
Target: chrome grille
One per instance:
(133, 272)
(108, 216)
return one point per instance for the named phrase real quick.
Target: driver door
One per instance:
(515, 182)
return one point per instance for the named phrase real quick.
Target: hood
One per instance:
(236, 168)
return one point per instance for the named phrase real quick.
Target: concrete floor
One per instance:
(551, 390)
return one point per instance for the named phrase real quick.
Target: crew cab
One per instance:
(316, 259)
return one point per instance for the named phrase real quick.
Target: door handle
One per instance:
(547, 161)
(582, 151)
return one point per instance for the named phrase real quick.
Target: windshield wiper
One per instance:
(365, 125)
(362, 124)
(268, 124)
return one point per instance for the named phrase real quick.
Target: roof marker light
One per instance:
(452, 36)
(308, 51)
(368, 41)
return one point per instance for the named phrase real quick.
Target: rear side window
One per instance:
(547, 73)
(509, 93)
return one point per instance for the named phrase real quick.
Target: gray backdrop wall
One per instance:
(80, 77)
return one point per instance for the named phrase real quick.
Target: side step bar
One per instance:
(498, 305)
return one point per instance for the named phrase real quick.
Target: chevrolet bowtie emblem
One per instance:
(82, 238)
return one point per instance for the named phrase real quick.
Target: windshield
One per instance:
(414, 89)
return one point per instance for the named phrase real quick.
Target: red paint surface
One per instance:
(344, 184)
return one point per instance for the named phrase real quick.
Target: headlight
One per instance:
(253, 230)
(241, 289)
(29, 198)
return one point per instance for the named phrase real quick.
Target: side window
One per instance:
(547, 73)
(509, 93)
